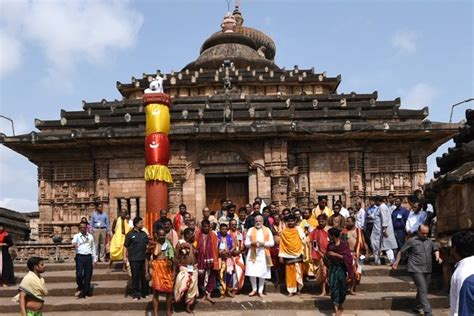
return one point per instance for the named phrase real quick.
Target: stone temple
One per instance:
(242, 127)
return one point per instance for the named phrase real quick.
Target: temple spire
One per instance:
(228, 23)
(237, 14)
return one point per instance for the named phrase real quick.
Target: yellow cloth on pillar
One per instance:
(118, 239)
(157, 119)
(158, 173)
(290, 242)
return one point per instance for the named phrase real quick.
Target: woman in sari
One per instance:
(340, 269)
(6, 264)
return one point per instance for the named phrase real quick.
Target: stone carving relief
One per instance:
(73, 190)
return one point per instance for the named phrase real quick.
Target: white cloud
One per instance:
(419, 96)
(69, 32)
(19, 205)
(18, 184)
(10, 58)
(405, 42)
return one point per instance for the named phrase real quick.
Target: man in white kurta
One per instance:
(259, 240)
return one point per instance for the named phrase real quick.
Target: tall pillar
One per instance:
(157, 150)
(302, 195)
(280, 189)
(175, 194)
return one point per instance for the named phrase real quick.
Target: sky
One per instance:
(54, 54)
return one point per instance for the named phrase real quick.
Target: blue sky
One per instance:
(54, 54)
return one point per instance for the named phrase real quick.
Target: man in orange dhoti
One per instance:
(186, 285)
(291, 255)
(162, 272)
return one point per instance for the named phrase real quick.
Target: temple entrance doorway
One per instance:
(232, 186)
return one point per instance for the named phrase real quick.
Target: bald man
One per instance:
(420, 265)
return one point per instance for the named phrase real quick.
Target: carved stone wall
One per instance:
(127, 186)
(276, 163)
(329, 175)
(288, 173)
(455, 209)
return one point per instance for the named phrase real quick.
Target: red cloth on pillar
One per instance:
(157, 149)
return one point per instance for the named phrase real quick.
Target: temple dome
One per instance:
(244, 46)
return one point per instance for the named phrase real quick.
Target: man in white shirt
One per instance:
(359, 215)
(416, 217)
(461, 296)
(344, 212)
(85, 256)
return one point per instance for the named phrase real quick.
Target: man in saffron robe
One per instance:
(208, 259)
(226, 263)
(186, 285)
(239, 266)
(259, 240)
(178, 219)
(354, 237)
(340, 269)
(162, 272)
(120, 228)
(319, 239)
(292, 239)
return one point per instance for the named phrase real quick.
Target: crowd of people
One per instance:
(186, 259)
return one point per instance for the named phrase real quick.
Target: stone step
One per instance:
(274, 301)
(67, 286)
(273, 312)
(70, 276)
(21, 267)
(368, 270)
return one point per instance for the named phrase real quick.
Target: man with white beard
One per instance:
(259, 240)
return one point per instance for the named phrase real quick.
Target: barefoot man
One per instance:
(208, 259)
(186, 285)
(291, 254)
(32, 289)
(319, 239)
(162, 272)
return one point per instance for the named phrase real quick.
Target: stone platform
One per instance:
(381, 289)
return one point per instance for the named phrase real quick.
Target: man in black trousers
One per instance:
(136, 243)
(85, 256)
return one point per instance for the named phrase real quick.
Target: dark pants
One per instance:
(84, 273)
(139, 282)
(400, 235)
(422, 282)
(367, 233)
(207, 281)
